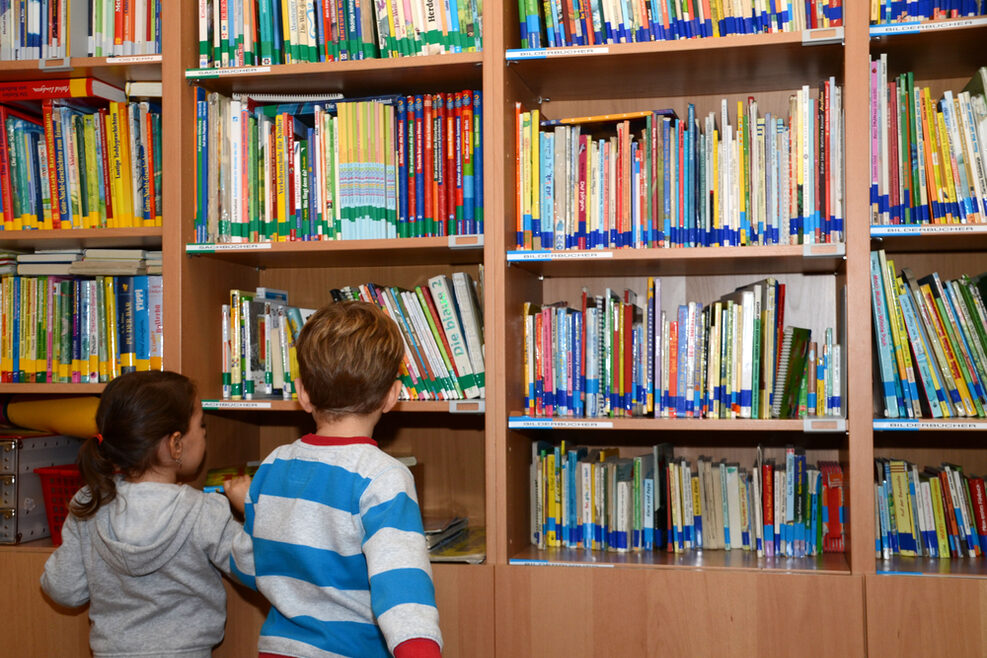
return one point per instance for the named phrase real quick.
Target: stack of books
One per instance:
(931, 340)
(896, 11)
(111, 262)
(50, 262)
(612, 355)
(599, 499)
(938, 512)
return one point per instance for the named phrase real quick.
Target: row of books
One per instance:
(902, 11)
(931, 340)
(75, 166)
(938, 512)
(652, 179)
(92, 261)
(596, 499)
(554, 23)
(733, 358)
(43, 29)
(441, 324)
(79, 330)
(928, 162)
(384, 167)
(265, 32)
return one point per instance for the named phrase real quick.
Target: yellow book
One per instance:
(41, 327)
(236, 360)
(675, 500)
(94, 218)
(6, 327)
(281, 178)
(126, 167)
(112, 344)
(95, 333)
(717, 219)
(947, 163)
(28, 329)
(697, 507)
(899, 338)
(902, 508)
(932, 144)
(534, 149)
(717, 14)
(552, 514)
(741, 137)
(938, 514)
(947, 349)
(115, 164)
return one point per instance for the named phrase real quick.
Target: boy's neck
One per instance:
(349, 426)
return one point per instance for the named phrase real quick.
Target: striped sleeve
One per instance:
(402, 595)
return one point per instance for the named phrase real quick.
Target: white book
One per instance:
(688, 524)
(442, 297)
(427, 343)
(733, 506)
(472, 320)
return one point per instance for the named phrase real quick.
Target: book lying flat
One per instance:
(470, 546)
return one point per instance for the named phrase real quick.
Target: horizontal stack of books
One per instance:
(597, 499)
(382, 167)
(89, 262)
(732, 358)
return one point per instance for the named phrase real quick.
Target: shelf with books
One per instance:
(352, 78)
(336, 253)
(403, 406)
(57, 389)
(932, 567)
(929, 425)
(517, 421)
(147, 237)
(678, 68)
(945, 49)
(114, 70)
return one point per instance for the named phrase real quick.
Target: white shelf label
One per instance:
(879, 231)
(465, 241)
(198, 74)
(233, 246)
(235, 404)
(914, 27)
(824, 424)
(558, 563)
(916, 425)
(821, 36)
(522, 423)
(541, 53)
(134, 59)
(546, 254)
(824, 250)
(467, 406)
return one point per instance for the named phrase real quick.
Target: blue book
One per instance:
(477, 162)
(142, 323)
(682, 360)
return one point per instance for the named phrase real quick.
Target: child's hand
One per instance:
(236, 489)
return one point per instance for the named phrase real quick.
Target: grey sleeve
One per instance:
(64, 578)
(217, 530)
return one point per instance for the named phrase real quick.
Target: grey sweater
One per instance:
(149, 565)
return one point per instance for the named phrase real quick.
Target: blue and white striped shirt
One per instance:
(338, 549)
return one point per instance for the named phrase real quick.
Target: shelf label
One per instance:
(879, 231)
(212, 248)
(134, 59)
(824, 250)
(915, 425)
(822, 36)
(524, 423)
(234, 404)
(914, 27)
(516, 54)
(547, 254)
(467, 406)
(558, 563)
(824, 424)
(198, 74)
(55, 64)
(465, 241)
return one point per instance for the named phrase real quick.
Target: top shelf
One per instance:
(115, 70)
(364, 77)
(931, 237)
(679, 68)
(142, 237)
(933, 50)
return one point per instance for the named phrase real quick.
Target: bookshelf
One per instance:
(591, 603)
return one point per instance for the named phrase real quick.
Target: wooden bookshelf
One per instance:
(114, 70)
(139, 237)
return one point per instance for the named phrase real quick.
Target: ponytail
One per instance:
(97, 472)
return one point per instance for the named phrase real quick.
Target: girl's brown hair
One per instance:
(135, 412)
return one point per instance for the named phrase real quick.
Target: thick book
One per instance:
(39, 90)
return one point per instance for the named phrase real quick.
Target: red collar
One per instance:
(318, 440)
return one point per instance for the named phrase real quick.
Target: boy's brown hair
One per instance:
(348, 358)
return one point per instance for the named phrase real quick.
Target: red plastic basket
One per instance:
(59, 484)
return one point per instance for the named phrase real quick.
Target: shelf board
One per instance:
(934, 49)
(684, 67)
(929, 424)
(822, 258)
(333, 253)
(37, 546)
(115, 70)
(407, 406)
(831, 563)
(930, 237)
(91, 389)
(926, 566)
(420, 74)
(516, 421)
(146, 237)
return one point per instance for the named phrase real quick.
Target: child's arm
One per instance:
(221, 534)
(64, 578)
(236, 489)
(402, 595)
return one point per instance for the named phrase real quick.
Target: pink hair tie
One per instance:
(99, 438)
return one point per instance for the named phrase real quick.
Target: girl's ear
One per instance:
(174, 442)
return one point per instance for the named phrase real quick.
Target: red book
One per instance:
(673, 366)
(118, 21)
(978, 499)
(102, 119)
(428, 153)
(425, 293)
(46, 119)
(466, 141)
(827, 165)
(669, 525)
(439, 145)
(458, 147)
(547, 355)
(950, 513)
(581, 193)
(412, 197)
(628, 353)
(421, 211)
(6, 188)
(768, 503)
(836, 9)
(539, 372)
(327, 13)
(39, 90)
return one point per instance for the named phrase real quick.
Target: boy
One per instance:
(337, 541)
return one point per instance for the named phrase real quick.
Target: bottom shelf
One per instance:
(828, 563)
(927, 566)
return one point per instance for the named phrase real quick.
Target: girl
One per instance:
(145, 551)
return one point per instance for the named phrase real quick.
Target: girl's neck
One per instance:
(160, 474)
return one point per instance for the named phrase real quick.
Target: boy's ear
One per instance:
(303, 398)
(392, 396)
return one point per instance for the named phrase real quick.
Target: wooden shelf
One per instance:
(423, 74)
(406, 406)
(930, 424)
(830, 563)
(58, 389)
(925, 566)
(938, 49)
(146, 237)
(37, 546)
(519, 422)
(687, 67)
(115, 70)
(334, 253)
(926, 238)
(822, 258)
